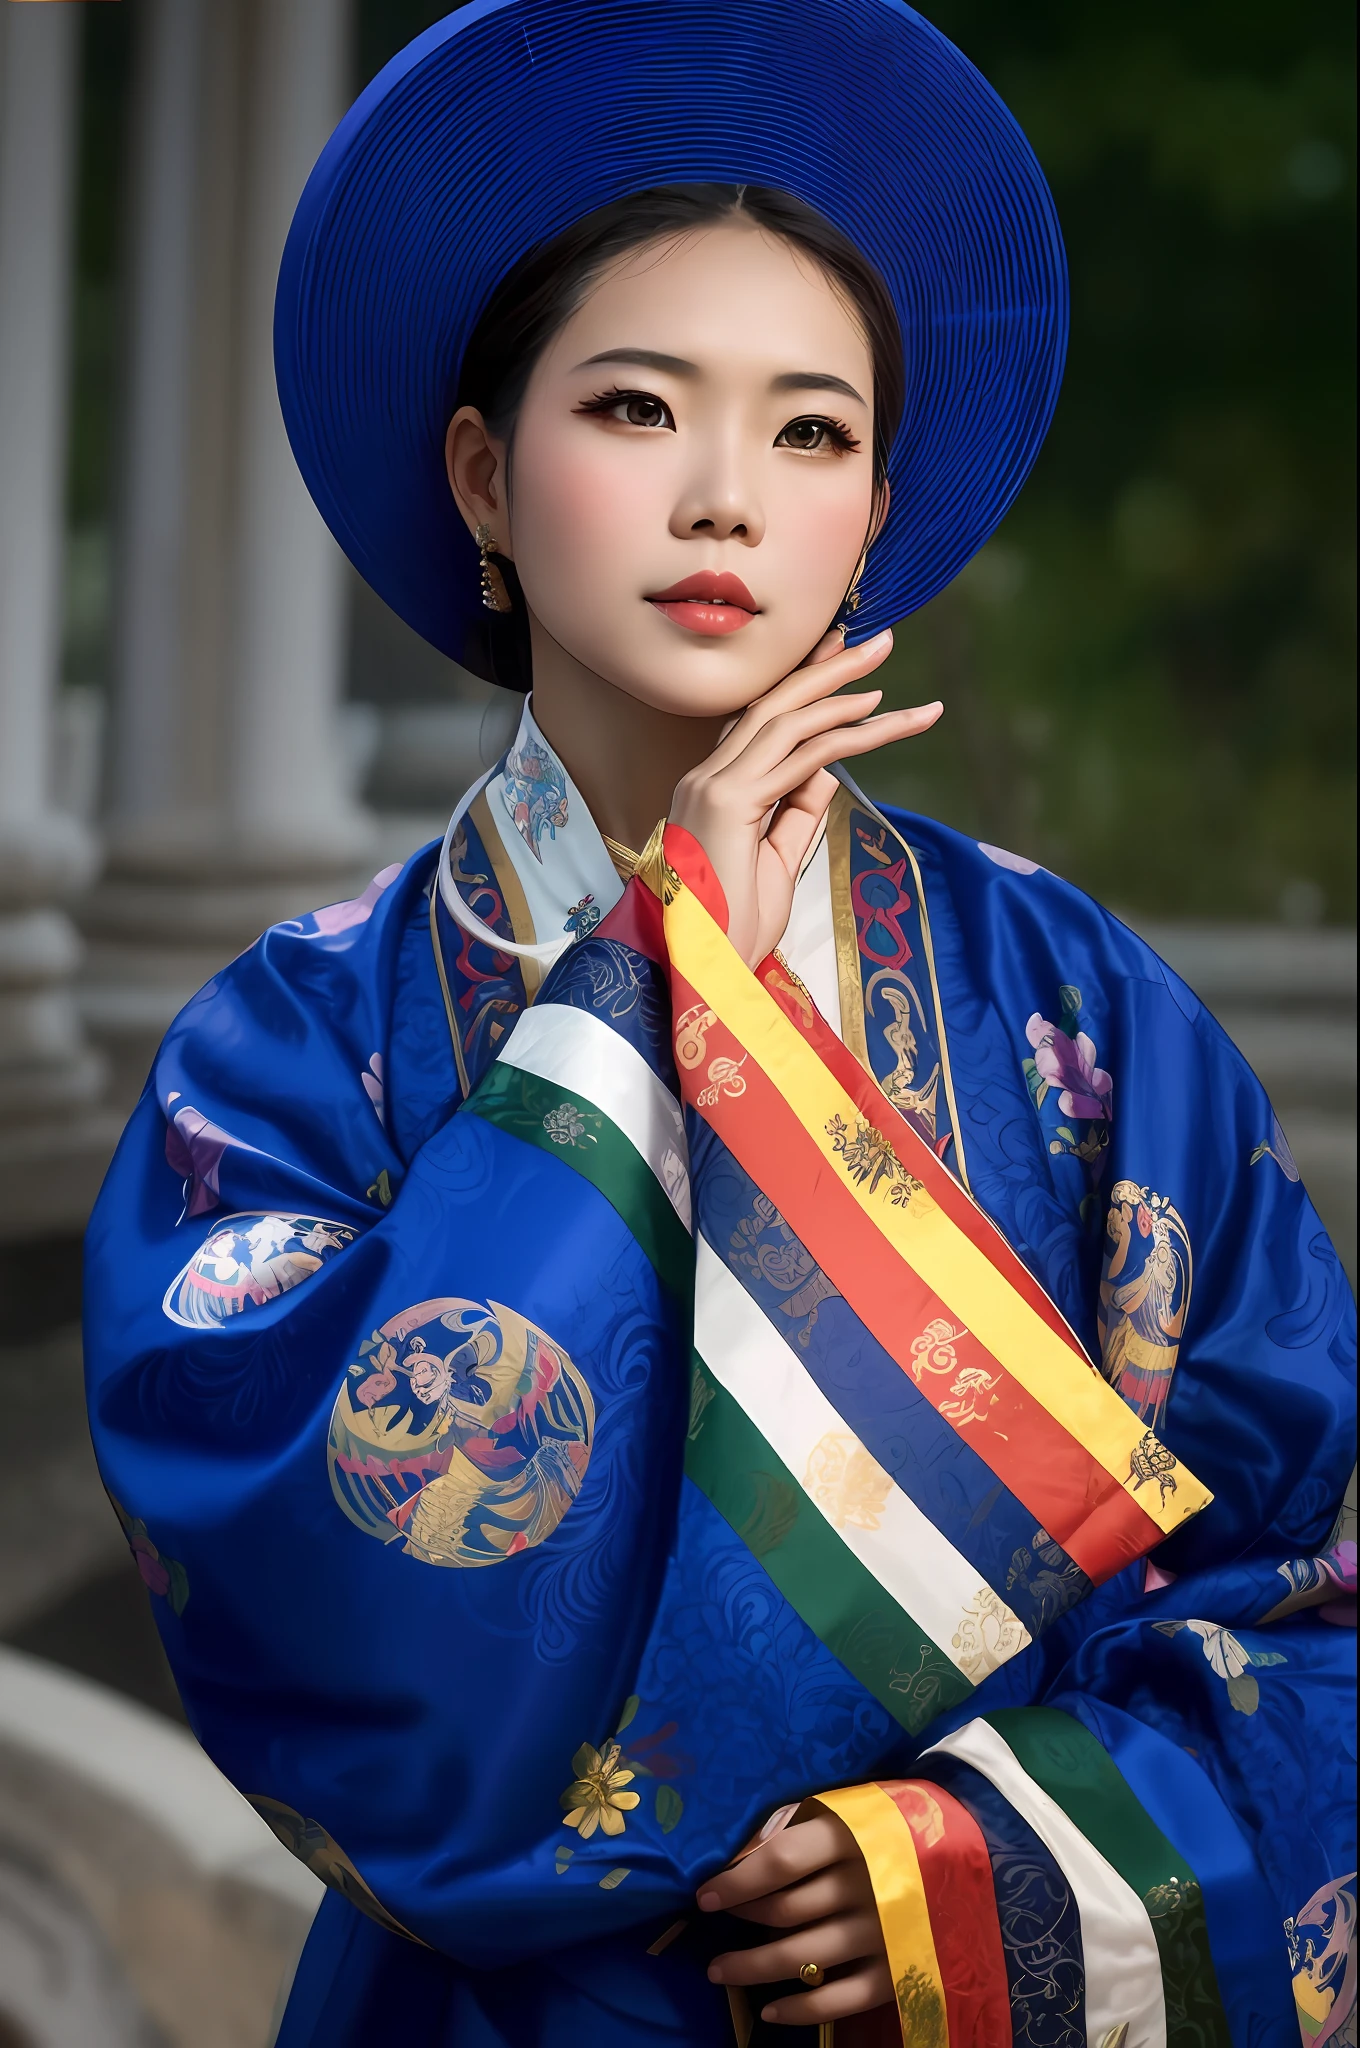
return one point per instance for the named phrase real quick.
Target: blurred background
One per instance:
(207, 723)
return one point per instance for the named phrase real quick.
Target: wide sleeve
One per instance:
(342, 1392)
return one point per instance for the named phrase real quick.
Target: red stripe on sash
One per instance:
(910, 1147)
(1069, 1492)
(961, 1899)
(690, 862)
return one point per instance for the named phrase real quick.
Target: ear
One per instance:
(477, 471)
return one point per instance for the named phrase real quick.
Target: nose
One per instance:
(720, 500)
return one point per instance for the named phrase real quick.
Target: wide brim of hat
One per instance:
(509, 120)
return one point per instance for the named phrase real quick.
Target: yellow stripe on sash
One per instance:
(919, 1231)
(885, 1842)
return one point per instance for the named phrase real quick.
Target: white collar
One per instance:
(550, 839)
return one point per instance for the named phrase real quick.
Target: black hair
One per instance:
(536, 298)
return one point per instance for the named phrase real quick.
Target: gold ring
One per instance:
(812, 1973)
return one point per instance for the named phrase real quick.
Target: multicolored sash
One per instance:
(886, 1406)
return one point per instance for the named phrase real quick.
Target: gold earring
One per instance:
(495, 596)
(852, 594)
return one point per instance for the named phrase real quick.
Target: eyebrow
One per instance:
(645, 358)
(815, 380)
(677, 366)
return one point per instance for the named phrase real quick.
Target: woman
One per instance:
(672, 1566)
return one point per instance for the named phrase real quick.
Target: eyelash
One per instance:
(609, 401)
(836, 431)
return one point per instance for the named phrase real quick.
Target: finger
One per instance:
(795, 826)
(847, 1938)
(814, 680)
(770, 743)
(829, 644)
(840, 744)
(842, 1888)
(806, 1846)
(859, 1990)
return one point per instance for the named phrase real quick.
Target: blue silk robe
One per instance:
(299, 1176)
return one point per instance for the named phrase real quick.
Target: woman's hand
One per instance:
(812, 1883)
(756, 803)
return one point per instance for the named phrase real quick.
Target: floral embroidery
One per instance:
(1144, 1296)
(1069, 1064)
(161, 1575)
(1063, 1063)
(848, 1484)
(534, 792)
(596, 1798)
(565, 1125)
(1228, 1658)
(869, 1156)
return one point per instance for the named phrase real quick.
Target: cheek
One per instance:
(578, 518)
(821, 533)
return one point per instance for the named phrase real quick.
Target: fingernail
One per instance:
(767, 2012)
(708, 1902)
(880, 639)
(714, 1974)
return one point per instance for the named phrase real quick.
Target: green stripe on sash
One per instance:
(1080, 1776)
(572, 1129)
(837, 1596)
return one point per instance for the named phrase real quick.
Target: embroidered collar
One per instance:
(543, 829)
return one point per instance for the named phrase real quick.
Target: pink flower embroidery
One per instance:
(1070, 1066)
(334, 918)
(154, 1576)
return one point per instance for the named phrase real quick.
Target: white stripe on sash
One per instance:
(873, 1517)
(580, 1052)
(1123, 1967)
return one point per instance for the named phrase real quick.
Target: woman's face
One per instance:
(691, 480)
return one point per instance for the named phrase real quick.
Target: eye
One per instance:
(815, 435)
(630, 408)
(643, 411)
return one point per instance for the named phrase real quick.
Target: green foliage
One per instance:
(1149, 674)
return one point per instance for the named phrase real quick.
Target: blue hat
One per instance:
(509, 120)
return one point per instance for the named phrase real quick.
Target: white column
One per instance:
(288, 794)
(229, 804)
(151, 737)
(49, 1149)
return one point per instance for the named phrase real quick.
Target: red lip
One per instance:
(708, 602)
(707, 587)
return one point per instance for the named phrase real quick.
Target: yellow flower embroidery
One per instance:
(596, 1798)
